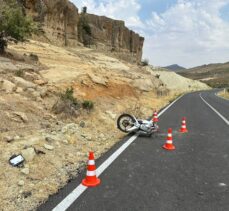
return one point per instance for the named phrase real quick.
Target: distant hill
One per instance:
(215, 75)
(175, 68)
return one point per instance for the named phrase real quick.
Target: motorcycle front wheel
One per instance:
(125, 122)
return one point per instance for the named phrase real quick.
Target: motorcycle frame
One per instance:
(136, 126)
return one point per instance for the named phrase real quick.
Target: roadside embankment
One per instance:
(55, 145)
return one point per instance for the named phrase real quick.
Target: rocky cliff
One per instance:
(59, 21)
(114, 37)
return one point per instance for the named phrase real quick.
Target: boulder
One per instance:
(145, 84)
(43, 92)
(23, 83)
(6, 86)
(19, 90)
(98, 80)
(19, 116)
(21, 183)
(25, 171)
(28, 154)
(40, 82)
(48, 147)
(70, 128)
(8, 139)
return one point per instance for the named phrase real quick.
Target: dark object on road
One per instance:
(16, 160)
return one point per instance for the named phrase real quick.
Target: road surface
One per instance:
(194, 177)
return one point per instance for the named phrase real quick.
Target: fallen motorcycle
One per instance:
(129, 123)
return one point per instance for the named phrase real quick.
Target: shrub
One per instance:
(68, 95)
(145, 62)
(84, 30)
(157, 76)
(84, 10)
(19, 73)
(3, 43)
(67, 104)
(87, 104)
(14, 23)
(34, 57)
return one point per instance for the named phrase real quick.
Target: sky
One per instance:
(185, 32)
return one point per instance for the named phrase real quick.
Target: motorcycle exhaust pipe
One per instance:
(132, 129)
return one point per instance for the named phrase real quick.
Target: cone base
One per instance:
(91, 184)
(183, 130)
(168, 147)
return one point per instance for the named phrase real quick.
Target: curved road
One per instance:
(194, 177)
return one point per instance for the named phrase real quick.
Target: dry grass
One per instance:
(224, 94)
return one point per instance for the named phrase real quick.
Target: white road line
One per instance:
(68, 200)
(220, 115)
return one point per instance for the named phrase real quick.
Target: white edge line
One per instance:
(220, 115)
(68, 200)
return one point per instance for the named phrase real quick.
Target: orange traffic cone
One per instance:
(155, 117)
(91, 180)
(183, 128)
(169, 142)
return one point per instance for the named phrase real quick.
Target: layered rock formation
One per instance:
(59, 21)
(114, 37)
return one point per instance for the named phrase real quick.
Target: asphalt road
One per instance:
(194, 177)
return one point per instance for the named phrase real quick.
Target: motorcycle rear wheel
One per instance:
(125, 122)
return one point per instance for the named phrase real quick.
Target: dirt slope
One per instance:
(177, 82)
(56, 147)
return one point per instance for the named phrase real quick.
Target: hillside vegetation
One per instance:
(215, 75)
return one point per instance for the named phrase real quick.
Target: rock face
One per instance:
(114, 37)
(59, 19)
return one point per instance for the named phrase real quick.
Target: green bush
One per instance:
(34, 57)
(145, 62)
(3, 43)
(157, 76)
(68, 95)
(67, 105)
(87, 104)
(14, 23)
(84, 30)
(19, 73)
